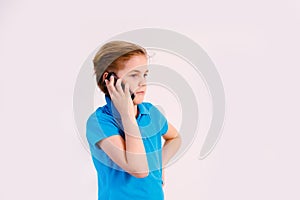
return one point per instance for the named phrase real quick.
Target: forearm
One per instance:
(134, 150)
(169, 149)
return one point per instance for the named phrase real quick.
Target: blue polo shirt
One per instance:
(113, 182)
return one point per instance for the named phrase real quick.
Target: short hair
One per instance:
(110, 57)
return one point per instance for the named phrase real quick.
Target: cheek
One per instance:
(132, 84)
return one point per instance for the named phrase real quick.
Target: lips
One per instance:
(141, 92)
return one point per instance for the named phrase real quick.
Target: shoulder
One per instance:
(153, 109)
(94, 115)
(147, 105)
(100, 125)
(100, 115)
(157, 117)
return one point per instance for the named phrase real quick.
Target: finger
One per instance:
(110, 85)
(126, 89)
(108, 89)
(118, 86)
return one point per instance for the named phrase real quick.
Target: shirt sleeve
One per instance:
(162, 120)
(100, 127)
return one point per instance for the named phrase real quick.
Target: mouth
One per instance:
(141, 92)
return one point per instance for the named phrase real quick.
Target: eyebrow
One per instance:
(138, 71)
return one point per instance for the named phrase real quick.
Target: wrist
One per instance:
(127, 117)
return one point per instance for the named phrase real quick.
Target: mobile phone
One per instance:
(122, 84)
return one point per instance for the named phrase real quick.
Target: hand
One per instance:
(120, 98)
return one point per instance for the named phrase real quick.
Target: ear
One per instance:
(104, 75)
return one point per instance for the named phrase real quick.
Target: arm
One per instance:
(129, 155)
(171, 145)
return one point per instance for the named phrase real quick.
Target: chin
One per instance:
(138, 100)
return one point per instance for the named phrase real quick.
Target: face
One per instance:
(134, 73)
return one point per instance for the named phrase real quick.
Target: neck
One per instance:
(136, 112)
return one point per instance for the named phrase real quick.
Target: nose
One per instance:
(142, 81)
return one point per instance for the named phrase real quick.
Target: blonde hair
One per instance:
(110, 57)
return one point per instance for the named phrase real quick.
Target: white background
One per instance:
(254, 45)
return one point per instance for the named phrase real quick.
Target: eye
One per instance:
(145, 75)
(133, 75)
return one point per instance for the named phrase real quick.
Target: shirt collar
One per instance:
(141, 107)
